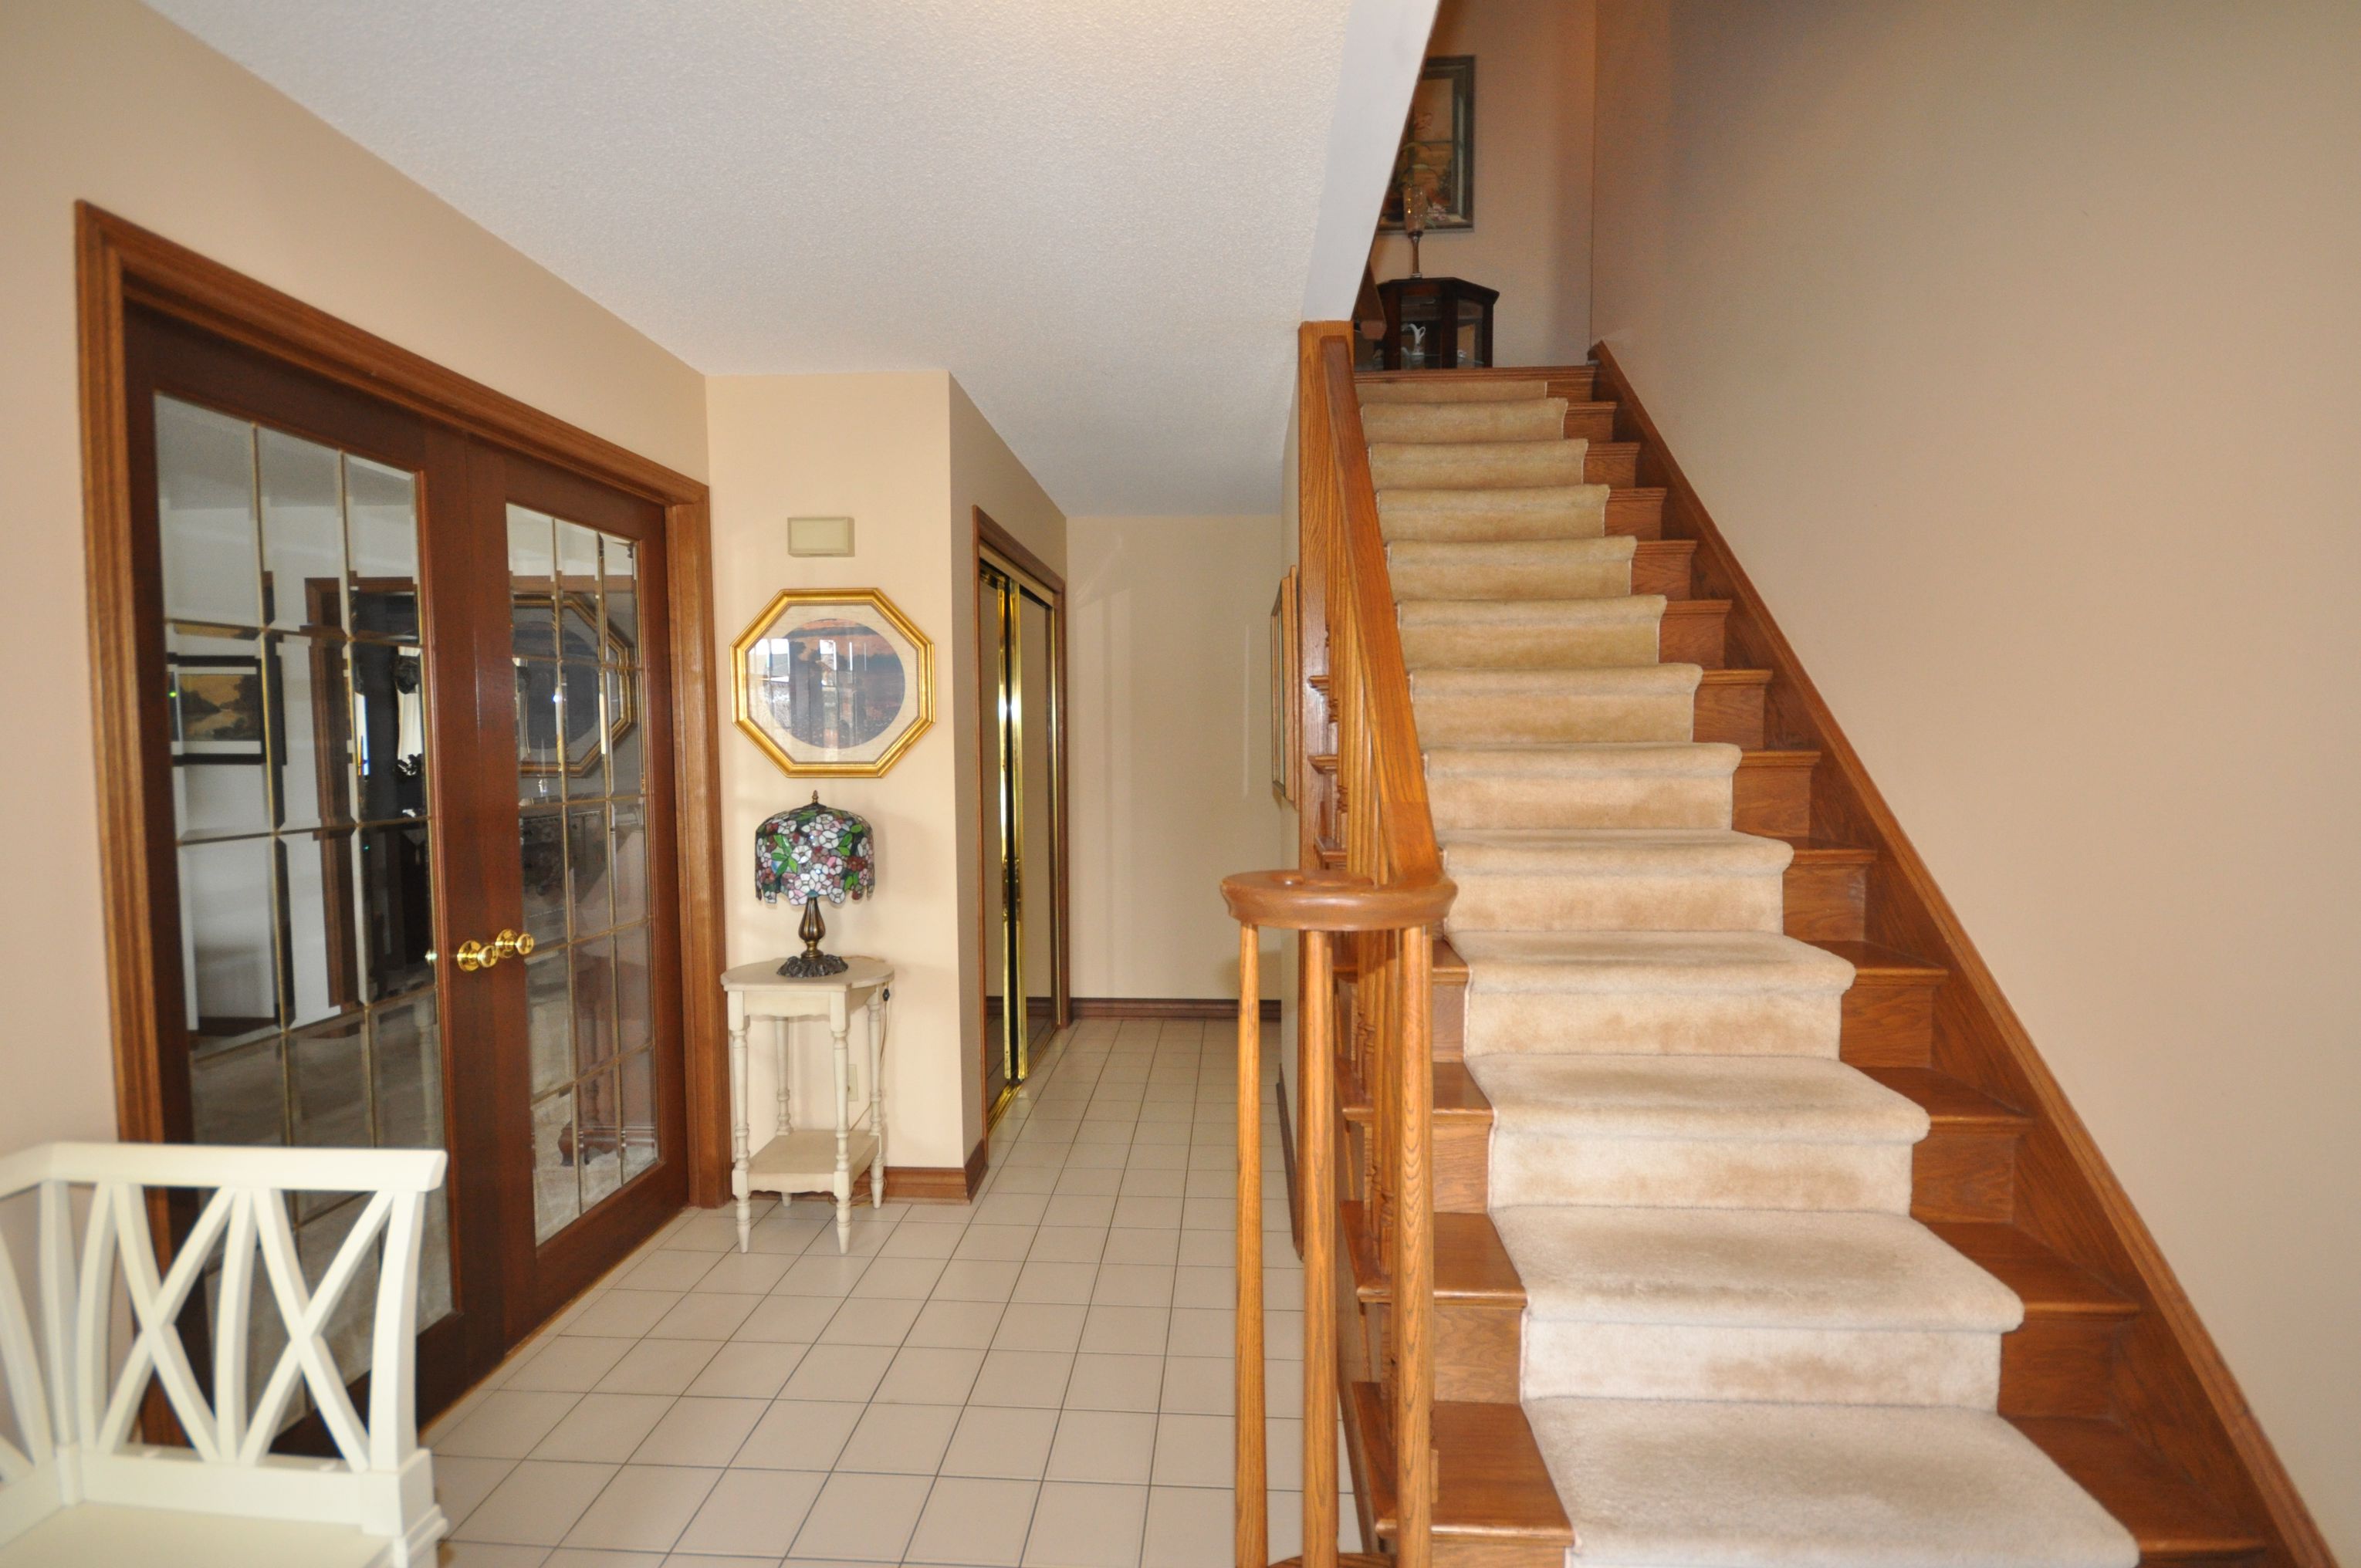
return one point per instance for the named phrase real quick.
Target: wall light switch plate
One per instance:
(819, 536)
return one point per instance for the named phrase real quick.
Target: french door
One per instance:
(411, 827)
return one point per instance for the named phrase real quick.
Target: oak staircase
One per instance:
(2112, 1393)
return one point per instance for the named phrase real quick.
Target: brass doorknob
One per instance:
(474, 955)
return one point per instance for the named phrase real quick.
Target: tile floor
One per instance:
(1040, 1377)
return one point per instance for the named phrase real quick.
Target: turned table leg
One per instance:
(738, 1131)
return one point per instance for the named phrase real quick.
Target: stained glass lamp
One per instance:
(806, 854)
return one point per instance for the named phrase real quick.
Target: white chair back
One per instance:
(73, 1388)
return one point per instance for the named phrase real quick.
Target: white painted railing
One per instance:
(75, 1378)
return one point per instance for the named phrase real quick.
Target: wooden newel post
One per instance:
(1316, 904)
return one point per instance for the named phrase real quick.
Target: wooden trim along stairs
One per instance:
(2111, 1374)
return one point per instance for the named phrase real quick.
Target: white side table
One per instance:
(810, 1159)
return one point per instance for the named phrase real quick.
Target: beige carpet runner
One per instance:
(1740, 1349)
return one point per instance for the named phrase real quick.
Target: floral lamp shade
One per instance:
(808, 853)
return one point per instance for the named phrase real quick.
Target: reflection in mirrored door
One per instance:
(1017, 610)
(583, 849)
(298, 742)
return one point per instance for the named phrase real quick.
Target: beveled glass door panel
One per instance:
(304, 829)
(384, 718)
(583, 852)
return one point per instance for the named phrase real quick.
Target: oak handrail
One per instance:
(1371, 875)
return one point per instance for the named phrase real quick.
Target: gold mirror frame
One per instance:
(922, 680)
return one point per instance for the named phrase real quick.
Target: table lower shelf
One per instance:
(805, 1160)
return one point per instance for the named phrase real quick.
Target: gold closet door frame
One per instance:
(1012, 585)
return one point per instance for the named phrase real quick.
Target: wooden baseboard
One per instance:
(938, 1183)
(1208, 1008)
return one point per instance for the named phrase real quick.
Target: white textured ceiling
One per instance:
(1099, 214)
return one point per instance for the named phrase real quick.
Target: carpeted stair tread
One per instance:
(1490, 419)
(1783, 1099)
(1572, 510)
(1484, 615)
(1531, 634)
(1602, 702)
(1451, 390)
(1661, 1484)
(1749, 1267)
(1612, 851)
(1512, 569)
(1696, 962)
(1476, 464)
(1646, 758)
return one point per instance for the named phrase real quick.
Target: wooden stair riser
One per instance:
(1888, 1022)
(1611, 462)
(1692, 632)
(1638, 512)
(1729, 708)
(1828, 894)
(1590, 422)
(1477, 1349)
(1772, 793)
(2059, 1364)
(1661, 565)
(1964, 1174)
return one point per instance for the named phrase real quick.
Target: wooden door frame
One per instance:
(119, 264)
(989, 535)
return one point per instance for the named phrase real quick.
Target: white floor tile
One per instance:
(1078, 1525)
(971, 1521)
(701, 1431)
(958, 1325)
(752, 1370)
(643, 1508)
(994, 1242)
(1197, 1384)
(872, 1320)
(1159, 1247)
(1194, 1451)
(1125, 1331)
(668, 1269)
(1115, 1383)
(460, 1482)
(798, 1434)
(900, 1439)
(927, 1375)
(1001, 1441)
(1186, 1527)
(848, 1372)
(505, 1424)
(1040, 1326)
(910, 1278)
(752, 1513)
(863, 1518)
(1102, 1445)
(745, 1274)
(705, 1315)
(535, 1504)
(973, 1280)
(624, 1313)
(567, 1364)
(585, 1557)
(797, 1319)
(1022, 1378)
(659, 1366)
(602, 1429)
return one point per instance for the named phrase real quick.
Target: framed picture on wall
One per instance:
(1286, 712)
(1437, 157)
(833, 683)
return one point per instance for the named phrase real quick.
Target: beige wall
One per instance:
(1531, 236)
(2013, 345)
(1171, 673)
(905, 455)
(102, 99)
